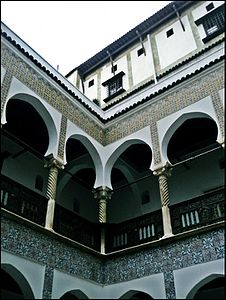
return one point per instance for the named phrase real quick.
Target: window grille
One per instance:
(213, 23)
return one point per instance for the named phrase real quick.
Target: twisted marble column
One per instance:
(162, 174)
(102, 194)
(54, 167)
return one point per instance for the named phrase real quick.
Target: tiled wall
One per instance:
(21, 240)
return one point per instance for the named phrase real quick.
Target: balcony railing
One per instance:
(73, 226)
(23, 201)
(200, 211)
(134, 231)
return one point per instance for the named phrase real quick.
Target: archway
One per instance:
(74, 294)
(13, 284)
(136, 295)
(26, 124)
(211, 287)
(193, 137)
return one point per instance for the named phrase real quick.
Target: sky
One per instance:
(67, 33)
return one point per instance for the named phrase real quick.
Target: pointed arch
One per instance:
(137, 295)
(43, 112)
(92, 152)
(201, 283)
(74, 294)
(19, 278)
(116, 154)
(176, 124)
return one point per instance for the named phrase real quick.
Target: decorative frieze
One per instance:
(5, 88)
(186, 94)
(61, 145)
(23, 72)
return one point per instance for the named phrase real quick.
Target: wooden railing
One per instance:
(203, 210)
(23, 201)
(193, 213)
(73, 226)
(134, 231)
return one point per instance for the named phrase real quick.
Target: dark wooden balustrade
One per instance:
(200, 211)
(73, 226)
(190, 214)
(23, 201)
(134, 231)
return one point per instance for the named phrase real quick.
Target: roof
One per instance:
(131, 37)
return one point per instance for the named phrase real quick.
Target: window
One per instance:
(209, 6)
(114, 69)
(213, 23)
(39, 183)
(169, 32)
(91, 82)
(140, 51)
(114, 86)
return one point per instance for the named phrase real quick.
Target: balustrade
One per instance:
(203, 210)
(190, 214)
(23, 201)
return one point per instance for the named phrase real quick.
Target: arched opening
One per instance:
(128, 176)
(196, 156)
(136, 295)
(74, 294)
(193, 137)
(212, 287)
(77, 180)
(76, 207)
(13, 284)
(26, 124)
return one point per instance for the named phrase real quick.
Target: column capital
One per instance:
(51, 161)
(102, 192)
(165, 171)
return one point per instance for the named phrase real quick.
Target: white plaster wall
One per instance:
(185, 279)
(73, 77)
(106, 74)
(142, 66)
(91, 92)
(176, 46)
(222, 96)
(33, 272)
(153, 285)
(3, 71)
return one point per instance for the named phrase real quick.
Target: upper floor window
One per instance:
(169, 32)
(209, 6)
(91, 83)
(114, 86)
(213, 23)
(140, 51)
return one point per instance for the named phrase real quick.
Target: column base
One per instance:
(50, 229)
(165, 236)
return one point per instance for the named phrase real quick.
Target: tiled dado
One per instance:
(29, 243)
(186, 94)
